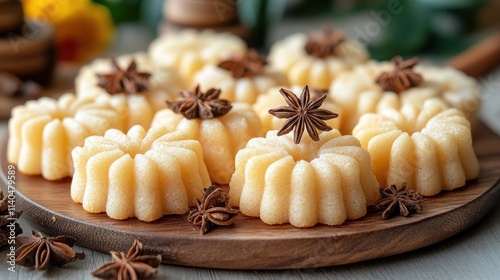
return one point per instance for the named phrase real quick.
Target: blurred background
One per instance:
(437, 29)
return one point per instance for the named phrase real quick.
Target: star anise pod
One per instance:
(323, 44)
(402, 201)
(248, 65)
(212, 210)
(200, 105)
(402, 77)
(8, 222)
(37, 251)
(301, 114)
(129, 80)
(133, 265)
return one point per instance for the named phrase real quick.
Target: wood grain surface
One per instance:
(251, 244)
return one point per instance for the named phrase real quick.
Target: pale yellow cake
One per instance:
(137, 108)
(358, 93)
(221, 137)
(325, 181)
(139, 174)
(43, 133)
(290, 56)
(189, 50)
(241, 78)
(272, 99)
(428, 147)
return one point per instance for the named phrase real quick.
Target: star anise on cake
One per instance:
(37, 251)
(133, 265)
(402, 77)
(402, 201)
(8, 222)
(200, 105)
(323, 44)
(302, 114)
(248, 65)
(212, 210)
(128, 80)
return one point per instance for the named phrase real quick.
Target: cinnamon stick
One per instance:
(480, 58)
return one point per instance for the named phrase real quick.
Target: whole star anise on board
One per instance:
(402, 77)
(129, 80)
(248, 65)
(8, 222)
(323, 44)
(200, 105)
(212, 210)
(37, 251)
(402, 201)
(133, 265)
(302, 114)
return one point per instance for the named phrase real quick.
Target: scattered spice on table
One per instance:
(133, 265)
(212, 210)
(37, 251)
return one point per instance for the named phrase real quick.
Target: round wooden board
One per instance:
(251, 244)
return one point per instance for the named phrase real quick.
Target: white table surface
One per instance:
(472, 254)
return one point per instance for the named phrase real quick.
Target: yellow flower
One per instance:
(83, 29)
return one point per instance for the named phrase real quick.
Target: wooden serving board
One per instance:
(251, 244)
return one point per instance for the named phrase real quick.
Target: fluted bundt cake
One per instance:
(429, 147)
(189, 50)
(319, 178)
(139, 174)
(43, 133)
(241, 78)
(222, 128)
(130, 84)
(370, 87)
(316, 59)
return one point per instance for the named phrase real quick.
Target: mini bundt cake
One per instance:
(373, 86)
(272, 98)
(43, 133)
(131, 85)
(429, 147)
(139, 174)
(316, 59)
(319, 178)
(222, 128)
(241, 78)
(189, 50)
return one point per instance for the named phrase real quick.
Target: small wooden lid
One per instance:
(201, 13)
(35, 38)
